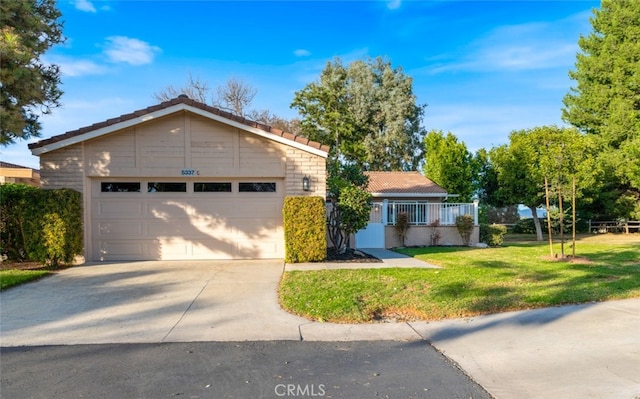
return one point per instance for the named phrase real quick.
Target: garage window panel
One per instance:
(167, 187)
(257, 187)
(213, 187)
(120, 187)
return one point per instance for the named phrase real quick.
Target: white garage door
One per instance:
(159, 219)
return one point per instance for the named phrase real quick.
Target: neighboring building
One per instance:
(182, 180)
(11, 173)
(430, 214)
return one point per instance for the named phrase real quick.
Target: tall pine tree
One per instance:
(606, 98)
(28, 28)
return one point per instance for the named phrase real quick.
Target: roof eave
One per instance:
(168, 111)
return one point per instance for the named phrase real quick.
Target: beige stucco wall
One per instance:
(300, 164)
(420, 236)
(169, 146)
(63, 168)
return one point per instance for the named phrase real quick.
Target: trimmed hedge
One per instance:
(40, 225)
(492, 234)
(305, 235)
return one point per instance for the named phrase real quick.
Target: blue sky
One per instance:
(483, 68)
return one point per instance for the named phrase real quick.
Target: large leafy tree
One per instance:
(485, 183)
(367, 112)
(557, 154)
(449, 164)
(29, 87)
(605, 101)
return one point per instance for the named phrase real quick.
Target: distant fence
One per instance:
(614, 226)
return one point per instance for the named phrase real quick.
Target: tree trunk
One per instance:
(536, 222)
(336, 235)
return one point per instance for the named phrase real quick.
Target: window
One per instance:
(166, 187)
(120, 187)
(212, 187)
(257, 187)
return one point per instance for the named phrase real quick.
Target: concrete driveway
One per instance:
(577, 351)
(135, 302)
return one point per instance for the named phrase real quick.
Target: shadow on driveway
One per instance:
(148, 302)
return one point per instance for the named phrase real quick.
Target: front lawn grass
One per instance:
(520, 275)
(13, 277)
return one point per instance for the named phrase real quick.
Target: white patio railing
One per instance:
(424, 213)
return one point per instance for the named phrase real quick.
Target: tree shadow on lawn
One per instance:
(615, 258)
(582, 287)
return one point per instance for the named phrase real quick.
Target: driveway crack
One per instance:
(185, 312)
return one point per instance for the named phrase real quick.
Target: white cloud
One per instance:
(85, 5)
(77, 67)
(532, 46)
(394, 4)
(129, 50)
(302, 52)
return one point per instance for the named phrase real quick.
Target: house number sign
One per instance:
(189, 172)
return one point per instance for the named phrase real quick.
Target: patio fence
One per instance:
(422, 212)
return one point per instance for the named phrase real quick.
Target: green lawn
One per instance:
(12, 277)
(520, 275)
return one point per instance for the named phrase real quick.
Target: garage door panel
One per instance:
(217, 231)
(119, 229)
(166, 209)
(169, 228)
(213, 207)
(252, 227)
(174, 248)
(257, 249)
(214, 249)
(108, 250)
(113, 208)
(187, 225)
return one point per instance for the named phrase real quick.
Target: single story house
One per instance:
(12, 173)
(431, 216)
(182, 180)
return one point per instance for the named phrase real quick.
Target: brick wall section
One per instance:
(301, 163)
(63, 168)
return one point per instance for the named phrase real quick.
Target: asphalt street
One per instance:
(266, 369)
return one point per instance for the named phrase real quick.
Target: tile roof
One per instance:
(12, 165)
(187, 101)
(402, 183)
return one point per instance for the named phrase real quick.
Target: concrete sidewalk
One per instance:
(577, 351)
(388, 259)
